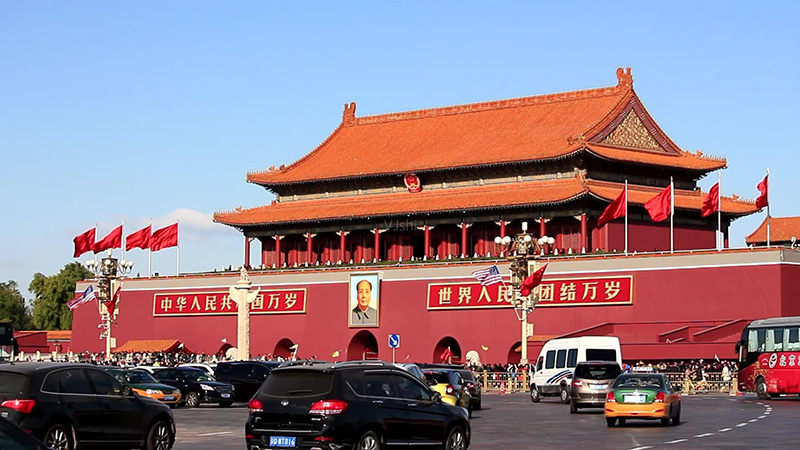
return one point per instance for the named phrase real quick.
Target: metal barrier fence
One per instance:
(713, 382)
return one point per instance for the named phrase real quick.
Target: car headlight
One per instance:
(206, 387)
(153, 391)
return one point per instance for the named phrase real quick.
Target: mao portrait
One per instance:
(365, 300)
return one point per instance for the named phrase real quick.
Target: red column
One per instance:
(542, 227)
(464, 239)
(247, 251)
(502, 235)
(309, 248)
(264, 254)
(326, 252)
(343, 246)
(427, 241)
(278, 255)
(377, 254)
(584, 232)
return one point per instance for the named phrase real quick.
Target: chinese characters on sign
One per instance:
(288, 301)
(553, 292)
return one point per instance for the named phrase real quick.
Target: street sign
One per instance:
(394, 341)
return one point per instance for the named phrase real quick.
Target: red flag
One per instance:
(112, 240)
(83, 243)
(139, 239)
(763, 187)
(659, 206)
(532, 281)
(111, 304)
(711, 202)
(617, 208)
(446, 355)
(164, 237)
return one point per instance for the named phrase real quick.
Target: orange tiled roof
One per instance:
(503, 131)
(149, 346)
(781, 230)
(494, 196)
(59, 335)
(428, 201)
(691, 200)
(685, 160)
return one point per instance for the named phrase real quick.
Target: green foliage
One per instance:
(52, 293)
(13, 308)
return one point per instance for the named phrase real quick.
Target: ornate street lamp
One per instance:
(107, 272)
(521, 250)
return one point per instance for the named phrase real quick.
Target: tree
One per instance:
(13, 308)
(52, 293)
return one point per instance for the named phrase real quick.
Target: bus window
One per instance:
(572, 358)
(769, 342)
(561, 359)
(793, 339)
(550, 362)
(752, 341)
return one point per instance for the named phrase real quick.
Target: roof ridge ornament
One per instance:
(349, 114)
(624, 78)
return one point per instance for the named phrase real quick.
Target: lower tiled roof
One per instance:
(149, 346)
(781, 230)
(494, 196)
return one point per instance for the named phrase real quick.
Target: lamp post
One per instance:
(107, 272)
(522, 249)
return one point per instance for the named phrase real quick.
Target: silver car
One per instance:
(591, 382)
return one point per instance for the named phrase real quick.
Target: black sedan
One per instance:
(71, 405)
(196, 386)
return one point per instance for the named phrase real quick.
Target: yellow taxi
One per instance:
(643, 396)
(455, 395)
(145, 385)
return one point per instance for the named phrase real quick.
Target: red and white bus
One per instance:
(769, 357)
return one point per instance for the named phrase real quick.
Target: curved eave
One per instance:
(713, 165)
(242, 226)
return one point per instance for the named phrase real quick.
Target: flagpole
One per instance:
(768, 216)
(122, 250)
(178, 239)
(95, 241)
(720, 240)
(671, 216)
(626, 217)
(150, 253)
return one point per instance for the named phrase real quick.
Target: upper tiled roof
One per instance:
(503, 131)
(494, 196)
(781, 230)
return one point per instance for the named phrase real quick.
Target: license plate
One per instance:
(281, 441)
(226, 395)
(634, 398)
(169, 397)
(597, 387)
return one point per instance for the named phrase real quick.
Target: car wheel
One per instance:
(478, 406)
(536, 396)
(469, 411)
(761, 389)
(677, 419)
(622, 422)
(192, 399)
(369, 441)
(59, 437)
(573, 408)
(456, 440)
(610, 421)
(665, 422)
(159, 437)
(225, 404)
(564, 395)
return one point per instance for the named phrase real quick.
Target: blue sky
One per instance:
(138, 110)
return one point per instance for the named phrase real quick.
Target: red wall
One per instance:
(651, 236)
(676, 295)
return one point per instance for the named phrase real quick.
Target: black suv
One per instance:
(70, 405)
(364, 405)
(245, 376)
(196, 386)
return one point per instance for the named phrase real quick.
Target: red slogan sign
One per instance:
(288, 301)
(552, 292)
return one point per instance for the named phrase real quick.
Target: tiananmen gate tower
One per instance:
(405, 206)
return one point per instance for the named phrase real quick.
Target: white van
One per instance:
(553, 371)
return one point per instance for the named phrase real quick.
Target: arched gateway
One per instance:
(283, 348)
(362, 346)
(448, 350)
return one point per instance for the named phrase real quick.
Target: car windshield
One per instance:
(439, 377)
(639, 381)
(597, 371)
(197, 375)
(140, 377)
(297, 383)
